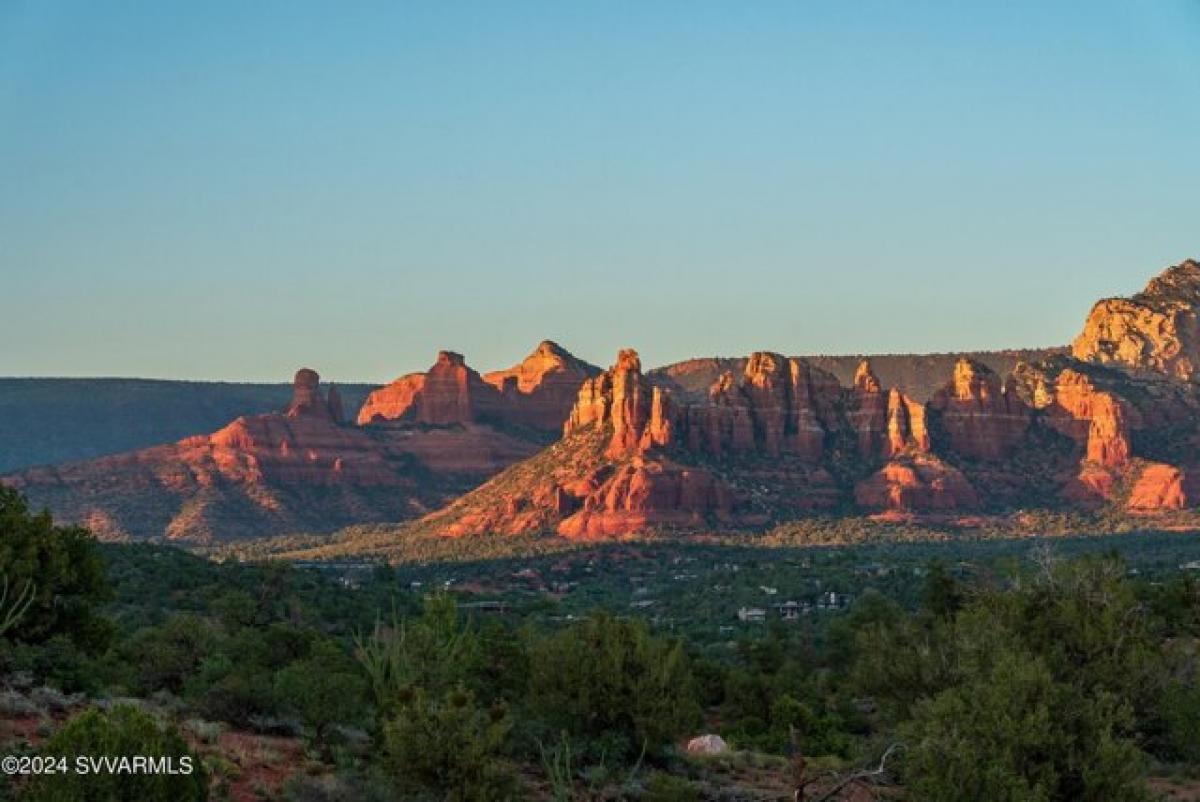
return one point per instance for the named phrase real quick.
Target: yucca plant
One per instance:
(11, 611)
(557, 764)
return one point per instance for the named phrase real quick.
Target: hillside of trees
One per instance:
(1033, 673)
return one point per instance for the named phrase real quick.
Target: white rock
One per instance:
(707, 745)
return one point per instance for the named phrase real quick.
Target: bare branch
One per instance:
(865, 774)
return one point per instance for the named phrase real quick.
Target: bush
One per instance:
(666, 788)
(436, 652)
(449, 747)
(119, 733)
(1011, 733)
(609, 677)
(64, 569)
(1031, 693)
(168, 655)
(323, 690)
(1181, 716)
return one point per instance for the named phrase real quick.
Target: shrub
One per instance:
(608, 677)
(323, 690)
(666, 788)
(121, 732)
(61, 568)
(449, 746)
(168, 655)
(1011, 733)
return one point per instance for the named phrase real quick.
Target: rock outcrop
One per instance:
(292, 471)
(918, 376)
(1160, 487)
(767, 442)
(643, 495)
(309, 401)
(448, 393)
(1155, 330)
(541, 389)
(982, 418)
(637, 490)
(538, 392)
(297, 470)
(1099, 420)
(920, 483)
(742, 442)
(906, 429)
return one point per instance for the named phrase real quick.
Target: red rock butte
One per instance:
(1114, 423)
(537, 392)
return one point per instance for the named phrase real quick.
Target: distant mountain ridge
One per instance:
(776, 439)
(46, 421)
(302, 466)
(553, 445)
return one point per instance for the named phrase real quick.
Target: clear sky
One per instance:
(212, 190)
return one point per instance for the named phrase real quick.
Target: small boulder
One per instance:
(707, 745)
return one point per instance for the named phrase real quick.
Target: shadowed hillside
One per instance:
(48, 421)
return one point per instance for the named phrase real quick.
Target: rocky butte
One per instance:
(776, 438)
(564, 448)
(419, 442)
(1155, 330)
(1111, 424)
(537, 392)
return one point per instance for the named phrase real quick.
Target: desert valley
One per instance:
(599, 402)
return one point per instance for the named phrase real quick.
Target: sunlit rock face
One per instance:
(1155, 330)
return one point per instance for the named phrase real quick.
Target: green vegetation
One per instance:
(610, 680)
(61, 570)
(975, 669)
(118, 735)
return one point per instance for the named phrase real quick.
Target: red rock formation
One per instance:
(1091, 486)
(293, 471)
(1161, 487)
(728, 425)
(918, 376)
(981, 418)
(780, 406)
(921, 483)
(869, 413)
(472, 451)
(905, 424)
(307, 400)
(396, 401)
(538, 392)
(642, 495)
(1097, 420)
(448, 393)
(541, 390)
(626, 485)
(1155, 330)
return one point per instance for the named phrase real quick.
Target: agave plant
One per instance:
(11, 611)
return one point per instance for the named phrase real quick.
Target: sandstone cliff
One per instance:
(449, 392)
(296, 470)
(781, 439)
(1155, 330)
(538, 392)
(918, 376)
(981, 417)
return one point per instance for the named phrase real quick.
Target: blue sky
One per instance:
(212, 190)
